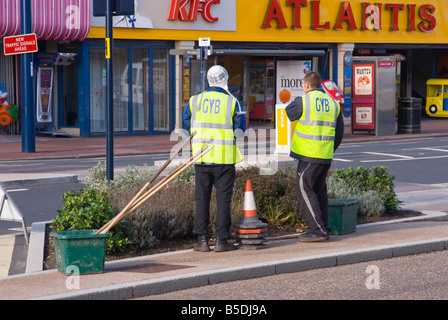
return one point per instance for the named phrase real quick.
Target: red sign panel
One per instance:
(24, 43)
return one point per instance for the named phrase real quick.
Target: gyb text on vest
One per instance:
(322, 105)
(211, 106)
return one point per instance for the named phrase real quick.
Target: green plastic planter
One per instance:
(342, 214)
(83, 249)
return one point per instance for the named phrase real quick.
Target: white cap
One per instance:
(217, 76)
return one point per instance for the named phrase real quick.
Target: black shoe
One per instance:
(222, 245)
(310, 237)
(202, 244)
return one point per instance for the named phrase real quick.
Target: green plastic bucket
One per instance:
(342, 215)
(82, 249)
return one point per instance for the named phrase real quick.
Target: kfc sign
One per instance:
(188, 10)
(201, 15)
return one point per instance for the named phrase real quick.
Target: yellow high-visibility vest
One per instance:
(212, 118)
(314, 134)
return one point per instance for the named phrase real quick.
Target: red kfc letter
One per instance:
(178, 10)
(206, 13)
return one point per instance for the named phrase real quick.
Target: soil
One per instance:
(188, 243)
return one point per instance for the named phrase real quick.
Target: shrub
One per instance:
(131, 178)
(89, 209)
(168, 214)
(138, 229)
(371, 204)
(187, 176)
(275, 197)
(377, 179)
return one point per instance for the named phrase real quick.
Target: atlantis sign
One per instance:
(418, 17)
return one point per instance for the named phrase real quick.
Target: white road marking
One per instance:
(342, 160)
(435, 149)
(406, 159)
(390, 155)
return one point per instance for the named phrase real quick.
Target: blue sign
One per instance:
(347, 84)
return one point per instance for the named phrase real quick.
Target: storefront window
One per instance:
(161, 92)
(97, 91)
(131, 90)
(140, 89)
(121, 89)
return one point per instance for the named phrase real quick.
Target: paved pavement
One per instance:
(153, 274)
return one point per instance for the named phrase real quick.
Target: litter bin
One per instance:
(342, 215)
(83, 248)
(409, 115)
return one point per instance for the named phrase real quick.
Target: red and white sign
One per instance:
(25, 43)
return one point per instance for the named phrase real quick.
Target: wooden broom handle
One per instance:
(155, 189)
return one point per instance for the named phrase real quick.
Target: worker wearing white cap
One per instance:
(217, 118)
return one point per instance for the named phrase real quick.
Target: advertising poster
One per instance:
(364, 115)
(363, 80)
(44, 94)
(289, 83)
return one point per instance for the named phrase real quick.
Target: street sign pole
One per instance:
(204, 46)
(28, 132)
(202, 66)
(109, 93)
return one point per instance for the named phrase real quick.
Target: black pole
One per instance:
(109, 94)
(28, 133)
(202, 66)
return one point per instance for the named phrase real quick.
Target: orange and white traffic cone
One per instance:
(251, 231)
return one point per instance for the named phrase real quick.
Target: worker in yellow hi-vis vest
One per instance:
(317, 135)
(217, 118)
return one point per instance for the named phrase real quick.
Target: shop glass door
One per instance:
(141, 95)
(160, 80)
(121, 89)
(97, 91)
(261, 90)
(140, 89)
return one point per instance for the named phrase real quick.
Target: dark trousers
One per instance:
(222, 178)
(311, 189)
